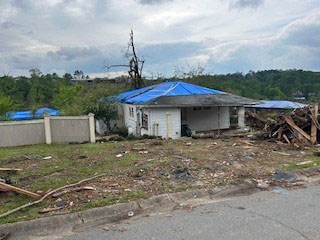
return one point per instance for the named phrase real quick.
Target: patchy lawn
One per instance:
(138, 169)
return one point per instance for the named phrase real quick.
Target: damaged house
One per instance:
(169, 108)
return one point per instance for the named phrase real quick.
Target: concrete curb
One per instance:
(84, 220)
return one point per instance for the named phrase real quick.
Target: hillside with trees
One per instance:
(51, 90)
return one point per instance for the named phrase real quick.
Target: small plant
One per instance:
(132, 137)
(123, 132)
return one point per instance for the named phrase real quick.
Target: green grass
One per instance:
(293, 166)
(139, 172)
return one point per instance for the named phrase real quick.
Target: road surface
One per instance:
(276, 215)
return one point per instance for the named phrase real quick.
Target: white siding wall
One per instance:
(130, 122)
(207, 119)
(159, 116)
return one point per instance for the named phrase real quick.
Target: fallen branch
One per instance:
(78, 189)
(8, 188)
(48, 195)
(47, 210)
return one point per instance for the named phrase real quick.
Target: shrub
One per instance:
(123, 132)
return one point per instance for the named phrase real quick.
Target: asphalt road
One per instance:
(276, 215)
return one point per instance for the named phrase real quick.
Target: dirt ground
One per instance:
(140, 169)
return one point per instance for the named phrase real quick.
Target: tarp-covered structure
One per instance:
(181, 94)
(267, 104)
(29, 115)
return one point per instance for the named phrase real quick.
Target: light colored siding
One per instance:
(207, 119)
(130, 122)
(159, 116)
(70, 129)
(22, 133)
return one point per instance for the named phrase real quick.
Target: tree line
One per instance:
(52, 90)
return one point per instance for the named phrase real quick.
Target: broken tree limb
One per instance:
(48, 195)
(72, 190)
(47, 210)
(8, 188)
(291, 123)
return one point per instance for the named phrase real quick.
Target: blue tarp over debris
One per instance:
(168, 89)
(27, 115)
(279, 105)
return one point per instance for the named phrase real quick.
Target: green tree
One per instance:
(6, 105)
(104, 111)
(71, 100)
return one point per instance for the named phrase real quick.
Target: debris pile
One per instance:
(298, 126)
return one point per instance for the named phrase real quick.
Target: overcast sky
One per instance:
(226, 35)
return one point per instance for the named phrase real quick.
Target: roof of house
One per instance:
(28, 115)
(181, 94)
(278, 105)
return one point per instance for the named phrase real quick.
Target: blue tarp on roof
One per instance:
(279, 105)
(147, 94)
(27, 115)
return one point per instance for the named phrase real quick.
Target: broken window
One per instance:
(145, 121)
(131, 112)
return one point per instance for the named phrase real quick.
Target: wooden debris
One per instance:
(48, 195)
(299, 126)
(8, 188)
(10, 169)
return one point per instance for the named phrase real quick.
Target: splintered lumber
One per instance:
(286, 138)
(8, 188)
(48, 195)
(10, 169)
(290, 121)
(314, 123)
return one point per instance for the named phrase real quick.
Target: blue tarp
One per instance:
(27, 115)
(279, 105)
(147, 94)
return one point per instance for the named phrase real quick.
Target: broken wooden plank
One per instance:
(290, 121)
(314, 128)
(10, 169)
(8, 188)
(286, 138)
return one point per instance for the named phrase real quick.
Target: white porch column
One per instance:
(92, 128)
(241, 117)
(47, 128)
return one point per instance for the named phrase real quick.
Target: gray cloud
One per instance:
(75, 34)
(7, 24)
(73, 53)
(238, 4)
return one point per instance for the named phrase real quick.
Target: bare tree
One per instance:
(135, 64)
(195, 70)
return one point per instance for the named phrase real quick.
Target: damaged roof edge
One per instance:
(201, 100)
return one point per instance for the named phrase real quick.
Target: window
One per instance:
(145, 121)
(131, 112)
